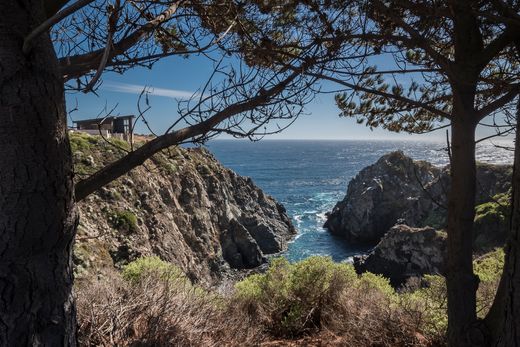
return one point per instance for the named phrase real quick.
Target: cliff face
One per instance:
(397, 189)
(182, 206)
(405, 252)
(380, 195)
(396, 203)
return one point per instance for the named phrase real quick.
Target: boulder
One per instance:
(405, 252)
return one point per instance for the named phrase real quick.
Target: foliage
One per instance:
(124, 220)
(498, 208)
(489, 267)
(430, 298)
(492, 223)
(82, 142)
(157, 310)
(143, 267)
(315, 300)
(294, 297)
(489, 270)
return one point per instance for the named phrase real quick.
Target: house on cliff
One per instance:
(112, 126)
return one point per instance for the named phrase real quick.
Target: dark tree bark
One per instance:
(37, 219)
(503, 319)
(461, 282)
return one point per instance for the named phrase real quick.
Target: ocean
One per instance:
(308, 177)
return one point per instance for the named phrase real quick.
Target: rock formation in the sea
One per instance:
(397, 189)
(182, 206)
(405, 252)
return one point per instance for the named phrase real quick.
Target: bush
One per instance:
(82, 142)
(315, 301)
(429, 300)
(157, 312)
(124, 220)
(290, 297)
(492, 223)
(489, 270)
(145, 267)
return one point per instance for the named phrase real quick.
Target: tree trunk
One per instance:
(461, 282)
(503, 319)
(37, 219)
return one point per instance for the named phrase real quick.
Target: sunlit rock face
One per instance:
(397, 189)
(182, 206)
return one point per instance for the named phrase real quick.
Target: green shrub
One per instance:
(496, 211)
(430, 300)
(492, 223)
(371, 282)
(143, 267)
(124, 220)
(82, 141)
(489, 267)
(120, 144)
(489, 270)
(291, 297)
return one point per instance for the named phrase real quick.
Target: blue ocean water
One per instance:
(309, 177)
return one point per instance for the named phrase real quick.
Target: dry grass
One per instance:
(158, 312)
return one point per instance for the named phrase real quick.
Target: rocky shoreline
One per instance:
(398, 206)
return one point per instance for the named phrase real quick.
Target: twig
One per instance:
(27, 43)
(112, 24)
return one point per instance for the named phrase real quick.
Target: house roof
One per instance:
(102, 120)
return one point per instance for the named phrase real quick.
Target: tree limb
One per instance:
(53, 6)
(139, 156)
(51, 21)
(417, 38)
(383, 94)
(78, 65)
(500, 102)
(497, 45)
(112, 23)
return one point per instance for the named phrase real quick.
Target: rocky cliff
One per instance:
(405, 252)
(397, 189)
(182, 206)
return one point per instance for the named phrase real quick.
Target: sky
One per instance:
(177, 78)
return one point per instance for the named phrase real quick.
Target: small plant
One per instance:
(143, 267)
(430, 301)
(292, 296)
(82, 142)
(489, 270)
(489, 267)
(496, 209)
(124, 220)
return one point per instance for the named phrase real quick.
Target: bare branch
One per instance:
(112, 23)
(51, 21)
(76, 66)
(140, 155)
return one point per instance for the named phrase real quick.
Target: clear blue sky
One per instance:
(178, 77)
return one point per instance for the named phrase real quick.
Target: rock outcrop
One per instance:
(397, 189)
(182, 206)
(405, 252)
